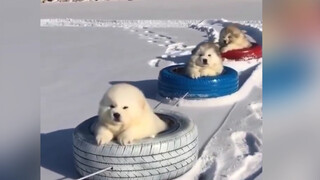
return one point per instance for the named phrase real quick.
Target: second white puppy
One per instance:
(233, 38)
(125, 115)
(206, 60)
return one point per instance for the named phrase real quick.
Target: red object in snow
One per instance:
(254, 52)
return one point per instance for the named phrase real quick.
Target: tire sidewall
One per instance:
(254, 52)
(174, 85)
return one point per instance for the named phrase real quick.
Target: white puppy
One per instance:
(125, 115)
(206, 60)
(232, 38)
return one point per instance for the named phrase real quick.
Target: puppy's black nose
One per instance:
(116, 116)
(205, 61)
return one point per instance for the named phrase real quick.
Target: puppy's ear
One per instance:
(217, 50)
(194, 51)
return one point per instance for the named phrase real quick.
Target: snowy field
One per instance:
(86, 47)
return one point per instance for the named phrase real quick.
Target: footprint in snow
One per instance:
(163, 36)
(247, 162)
(154, 62)
(162, 45)
(256, 109)
(169, 42)
(250, 167)
(148, 32)
(245, 143)
(151, 41)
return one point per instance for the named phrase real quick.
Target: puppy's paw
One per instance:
(206, 72)
(103, 139)
(152, 136)
(224, 49)
(194, 74)
(124, 139)
(211, 72)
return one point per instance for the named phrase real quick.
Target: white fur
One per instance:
(232, 38)
(196, 67)
(135, 122)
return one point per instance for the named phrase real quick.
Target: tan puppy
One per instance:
(206, 60)
(232, 38)
(125, 114)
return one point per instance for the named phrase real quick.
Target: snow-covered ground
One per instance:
(99, 49)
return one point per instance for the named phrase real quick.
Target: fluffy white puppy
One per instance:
(232, 38)
(125, 115)
(206, 60)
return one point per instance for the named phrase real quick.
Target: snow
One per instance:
(87, 49)
(156, 9)
(235, 149)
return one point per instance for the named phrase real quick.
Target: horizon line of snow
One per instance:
(174, 23)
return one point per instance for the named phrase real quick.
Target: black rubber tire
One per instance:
(169, 155)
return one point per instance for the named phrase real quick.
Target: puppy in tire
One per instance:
(233, 38)
(170, 154)
(125, 115)
(206, 60)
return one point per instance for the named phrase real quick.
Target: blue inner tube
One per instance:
(173, 83)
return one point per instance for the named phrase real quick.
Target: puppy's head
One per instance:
(122, 104)
(230, 34)
(206, 54)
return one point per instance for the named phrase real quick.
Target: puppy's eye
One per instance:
(125, 107)
(112, 106)
(209, 55)
(200, 54)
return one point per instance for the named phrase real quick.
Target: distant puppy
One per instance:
(206, 60)
(124, 114)
(232, 38)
